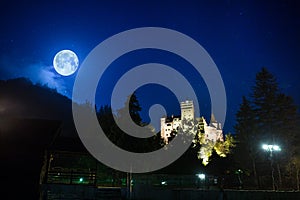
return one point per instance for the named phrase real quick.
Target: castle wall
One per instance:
(212, 131)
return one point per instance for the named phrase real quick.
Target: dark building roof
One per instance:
(170, 118)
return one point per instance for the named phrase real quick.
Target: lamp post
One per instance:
(271, 148)
(201, 180)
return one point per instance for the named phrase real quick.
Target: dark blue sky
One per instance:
(240, 36)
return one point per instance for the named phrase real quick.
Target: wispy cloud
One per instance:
(37, 72)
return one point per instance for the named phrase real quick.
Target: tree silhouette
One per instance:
(246, 131)
(119, 137)
(268, 117)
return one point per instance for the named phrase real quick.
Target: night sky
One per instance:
(241, 37)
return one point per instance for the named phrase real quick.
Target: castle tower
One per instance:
(214, 123)
(187, 110)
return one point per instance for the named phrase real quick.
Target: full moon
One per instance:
(65, 62)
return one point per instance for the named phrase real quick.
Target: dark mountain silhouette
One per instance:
(19, 98)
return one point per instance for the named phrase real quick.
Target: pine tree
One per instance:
(276, 116)
(269, 117)
(265, 94)
(246, 131)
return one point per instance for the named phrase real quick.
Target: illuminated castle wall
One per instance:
(170, 125)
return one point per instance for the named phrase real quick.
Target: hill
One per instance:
(19, 98)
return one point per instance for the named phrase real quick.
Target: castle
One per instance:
(170, 125)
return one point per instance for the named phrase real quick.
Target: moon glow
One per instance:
(65, 62)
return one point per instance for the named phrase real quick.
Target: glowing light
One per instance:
(81, 179)
(270, 147)
(201, 176)
(276, 148)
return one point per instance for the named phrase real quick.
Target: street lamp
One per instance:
(201, 176)
(271, 148)
(201, 180)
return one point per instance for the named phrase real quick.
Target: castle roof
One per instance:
(170, 118)
(213, 119)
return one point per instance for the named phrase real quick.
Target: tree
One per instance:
(265, 104)
(293, 168)
(134, 109)
(269, 116)
(122, 139)
(207, 146)
(246, 131)
(276, 115)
